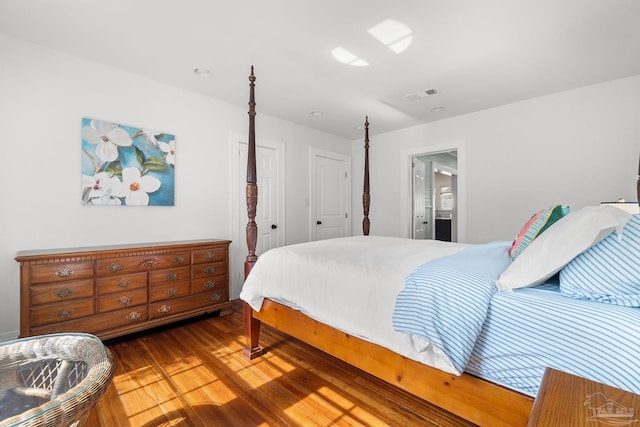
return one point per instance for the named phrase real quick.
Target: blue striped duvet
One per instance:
(531, 328)
(509, 337)
(445, 301)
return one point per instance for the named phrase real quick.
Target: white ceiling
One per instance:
(476, 53)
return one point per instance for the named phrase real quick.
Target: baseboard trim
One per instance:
(7, 336)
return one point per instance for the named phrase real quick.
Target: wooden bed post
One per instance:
(251, 325)
(366, 200)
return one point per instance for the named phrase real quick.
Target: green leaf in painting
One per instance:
(114, 168)
(139, 155)
(155, 164)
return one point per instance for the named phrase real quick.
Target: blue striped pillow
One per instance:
(609, 271)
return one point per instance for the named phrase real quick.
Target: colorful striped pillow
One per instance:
(535, 226)
(609, 271)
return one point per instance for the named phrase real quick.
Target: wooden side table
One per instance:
(567, 400)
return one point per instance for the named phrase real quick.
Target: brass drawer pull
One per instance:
(65, 313)
(64, 293)
(64, 272)
(171, 292)
(133, 316)
(209, 270)
(215, 297)
(124, 301)
(209, 255)
(150, 262)
(171, 276)
(124, 284)
(114, 267)
(178, 260)
(164, 308)
(210, 284)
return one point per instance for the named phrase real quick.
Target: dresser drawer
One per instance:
(69, 310)
(128, 298)
(206, 284)
(208, 270)
(169, 291)
(167, 308)
(56, 272)
(134, 264)
(55, 328)
(201, 256)
(171, 275)
(115, 319)
(58, 292)
(98, 323)
(110, 285)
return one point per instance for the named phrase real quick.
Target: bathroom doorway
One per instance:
(434, 194)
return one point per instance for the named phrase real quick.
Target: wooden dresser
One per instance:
(115, 290)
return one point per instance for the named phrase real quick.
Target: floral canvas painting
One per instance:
(124, 165)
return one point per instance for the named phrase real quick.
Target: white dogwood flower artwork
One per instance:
(124, 165)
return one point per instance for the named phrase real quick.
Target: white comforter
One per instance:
(350, 284)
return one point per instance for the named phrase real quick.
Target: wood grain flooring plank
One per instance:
(193, 373)
(202, 384)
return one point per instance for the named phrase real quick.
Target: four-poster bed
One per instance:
(478, 400)
(472, 398)
(366, 198)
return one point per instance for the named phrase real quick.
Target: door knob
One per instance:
(273, 226)
(318, 222)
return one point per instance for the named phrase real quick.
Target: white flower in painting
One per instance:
(108, 137)
(97, 189)
(170, 149)
(150, 137)
(135, 188)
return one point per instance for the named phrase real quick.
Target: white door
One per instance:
(419, 200)
(330, 195)
(267, 213)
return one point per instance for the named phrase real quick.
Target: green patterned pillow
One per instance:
(535, 226)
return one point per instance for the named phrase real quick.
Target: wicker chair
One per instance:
(52, 380)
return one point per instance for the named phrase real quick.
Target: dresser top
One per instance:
(25, 255)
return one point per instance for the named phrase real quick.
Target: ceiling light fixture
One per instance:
(203, 72)
(316, 113)
(443, 172)
(437, 109)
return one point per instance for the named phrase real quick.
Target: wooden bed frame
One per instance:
(479, 401)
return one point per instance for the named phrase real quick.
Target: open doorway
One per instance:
(434, 195)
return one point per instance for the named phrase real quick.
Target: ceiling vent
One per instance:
(416, 96)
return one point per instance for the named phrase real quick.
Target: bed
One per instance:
(380, 323)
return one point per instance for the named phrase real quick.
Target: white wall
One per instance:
(578, 147)
(44, 95)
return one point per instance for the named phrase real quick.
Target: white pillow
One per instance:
(560, 243)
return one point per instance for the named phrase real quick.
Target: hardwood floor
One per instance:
(194, 374)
